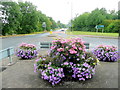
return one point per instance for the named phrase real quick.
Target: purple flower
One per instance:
(66, 63)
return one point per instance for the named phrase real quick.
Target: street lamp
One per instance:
(71, 14)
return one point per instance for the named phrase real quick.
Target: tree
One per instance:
(30, 18)
(80, 21)
(11, 17)
(60, 25)
(53, 23)
(22, 18)
(88, 21)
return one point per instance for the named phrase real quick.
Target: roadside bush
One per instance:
(26, 51)
(106, 53)
(67, 60)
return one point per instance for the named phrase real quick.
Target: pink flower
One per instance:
(113, 49)
(80, 48)
(54, 41)
(53, 47)
(100, 46)
(60, 49)
(84, 46)
(72, 51)
(107, 49)
(74, 46)
(63, 41)
(23, 44)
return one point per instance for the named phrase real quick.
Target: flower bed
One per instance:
(26, 51)
(106, 53)
(67, 60)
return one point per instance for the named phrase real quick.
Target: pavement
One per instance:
(21, 74)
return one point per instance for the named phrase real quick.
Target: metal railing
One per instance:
(8, 52)
(49, 44)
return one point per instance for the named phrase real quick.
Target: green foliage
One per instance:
(53, 23)
(114, 26)
(23, 18)
(60, 25)
(81, 21)
(12, 14)
(88, 21)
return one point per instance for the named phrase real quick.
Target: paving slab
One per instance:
(21, 75)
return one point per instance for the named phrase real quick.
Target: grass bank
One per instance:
(15, 35)
(92, 33)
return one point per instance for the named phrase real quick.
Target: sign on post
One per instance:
(44, 25)
(99, 27)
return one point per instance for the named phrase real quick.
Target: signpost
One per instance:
(44, 25)
(99, 27)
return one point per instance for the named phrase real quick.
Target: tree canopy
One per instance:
(23, 18)
(88, 21)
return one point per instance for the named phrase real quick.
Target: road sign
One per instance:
(99, 26)
(44, 24)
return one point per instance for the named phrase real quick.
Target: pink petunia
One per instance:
(72, 51)
(53, 47)
(74, 46)
(60, 49)
(80, 48)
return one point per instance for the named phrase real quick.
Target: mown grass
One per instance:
(92, 33)
(22, 34)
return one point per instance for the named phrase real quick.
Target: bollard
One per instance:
(51, 31)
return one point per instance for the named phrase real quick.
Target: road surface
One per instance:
(34, 39)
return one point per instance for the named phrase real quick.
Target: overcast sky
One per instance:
(62, 9)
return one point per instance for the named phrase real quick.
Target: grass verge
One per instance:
(93, 33)
(22, 34)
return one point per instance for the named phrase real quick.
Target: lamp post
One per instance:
(71, 5)
(71, 14)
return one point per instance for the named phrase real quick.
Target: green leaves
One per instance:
(23, 18)
(88, 21)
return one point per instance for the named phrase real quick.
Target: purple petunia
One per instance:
(106, 53)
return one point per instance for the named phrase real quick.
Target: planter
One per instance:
(106, 53)
(67, 60)
(26, 51)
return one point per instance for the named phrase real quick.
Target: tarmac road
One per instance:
(94, 40)
(34, 39)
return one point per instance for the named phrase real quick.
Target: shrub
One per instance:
(67, 60)
(106, 53)
(26, 51)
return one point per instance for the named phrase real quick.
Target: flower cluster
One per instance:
(68, 48)
(66, 59)
(53, 74)
(83, 71)
(106, 53)
(26, 51)
(27, 46)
